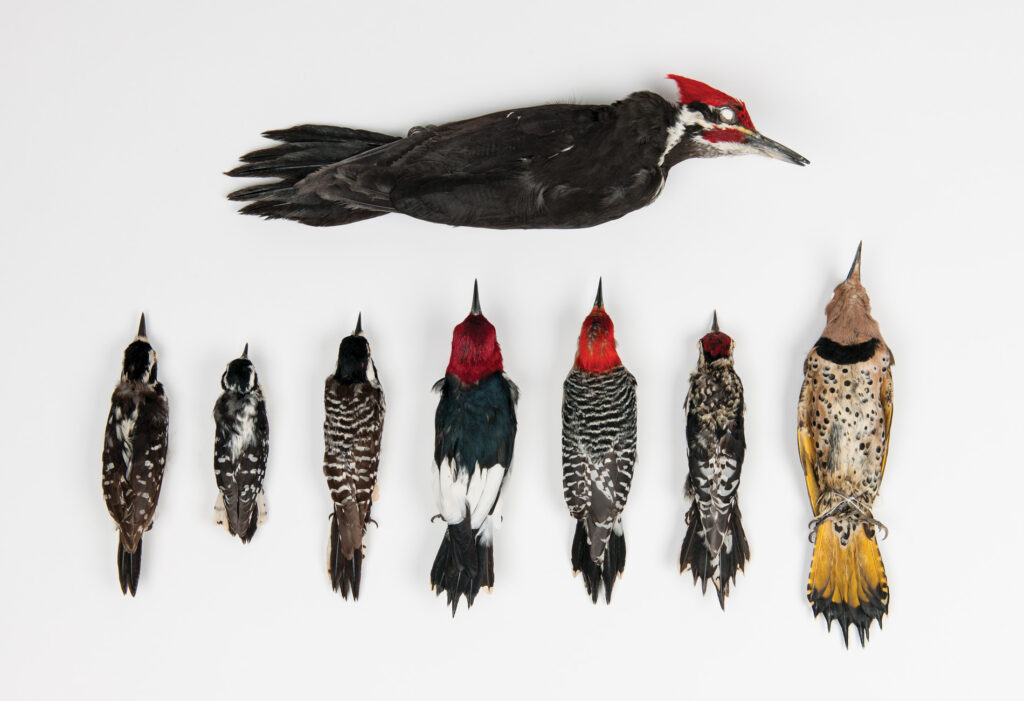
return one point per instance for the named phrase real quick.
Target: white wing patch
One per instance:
(478, 493)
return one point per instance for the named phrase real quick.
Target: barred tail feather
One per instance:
(345, 557)
(613, 561)
(129, 566)
(847, 582)
(305, 149)
(718, 568)
(463, 564)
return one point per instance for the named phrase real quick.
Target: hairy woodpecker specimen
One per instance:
(844, 418)
(475, 430)
(598, 451)
(353, 425)
(715, 546)
(134, 452)
(557, 166)
(240, 449)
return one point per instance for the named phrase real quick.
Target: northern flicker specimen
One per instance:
(241, 445)
(354, 423)
(598, 451)
(474, 434)
(715, 546)
(134, 452)
(844, 418)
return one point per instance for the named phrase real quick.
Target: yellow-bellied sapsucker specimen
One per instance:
(475, 431)
(134, 452)
(598, 451)
(354, 408)
(715, 546)
(240, 448)
(844, 418)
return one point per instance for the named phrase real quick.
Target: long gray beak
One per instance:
(773, 149)
(142, 328)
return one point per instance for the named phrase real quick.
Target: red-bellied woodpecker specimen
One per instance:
(241, 445)
(134, 452)
(598, 451)
(715, 546)
(354, 423)
(555, 166)
(475, 431)
(844, 418)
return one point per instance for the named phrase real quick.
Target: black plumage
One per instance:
(134, 454)
(475, 430)
(353, 426)
(549, 166)
(241, 446)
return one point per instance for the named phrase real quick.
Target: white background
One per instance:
(118, 120)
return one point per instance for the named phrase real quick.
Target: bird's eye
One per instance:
(727, 114)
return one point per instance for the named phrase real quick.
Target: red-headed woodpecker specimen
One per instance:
(555, 166)
(475, 431)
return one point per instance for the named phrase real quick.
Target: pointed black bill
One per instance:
(714, 322)
(245, 351)
(359, 325)
(599, 300)
(476, 299)
(773, 149)
(854, 273)
(142, 327)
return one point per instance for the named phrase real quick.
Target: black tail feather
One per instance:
(305, 149)
(250, 529)
(129, 566)
(695, 554)
(594, 573)
(345, 572)
(463, 564)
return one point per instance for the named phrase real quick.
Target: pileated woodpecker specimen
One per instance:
(559, 166)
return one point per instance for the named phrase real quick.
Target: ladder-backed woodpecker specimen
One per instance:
(475, 430)
(134, 452)
(240, 449)
(557, 166)
(598, 451)
(844, 417)
(715, 546)
(354, 423)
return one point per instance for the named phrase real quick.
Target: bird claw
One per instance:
(435, 517)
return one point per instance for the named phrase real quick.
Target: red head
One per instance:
(720, 125)
(596, 352)
(715, 345)
(475, 350)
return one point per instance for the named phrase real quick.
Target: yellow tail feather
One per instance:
(847, 582)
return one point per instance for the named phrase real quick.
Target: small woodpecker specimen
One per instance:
(557, 166)
(715, 546)
(598, 451)
(354, 408)
(240, 450)
(844, 418)
(475, 430)
(134, 452)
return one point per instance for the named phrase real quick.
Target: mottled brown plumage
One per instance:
(844, 417)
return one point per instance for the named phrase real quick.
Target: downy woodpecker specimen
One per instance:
(134, 452)
(354, 423)
(240, 448)
(598, 451)
(557, 166)
(844, 418)
(715, 546)
(475, 430)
